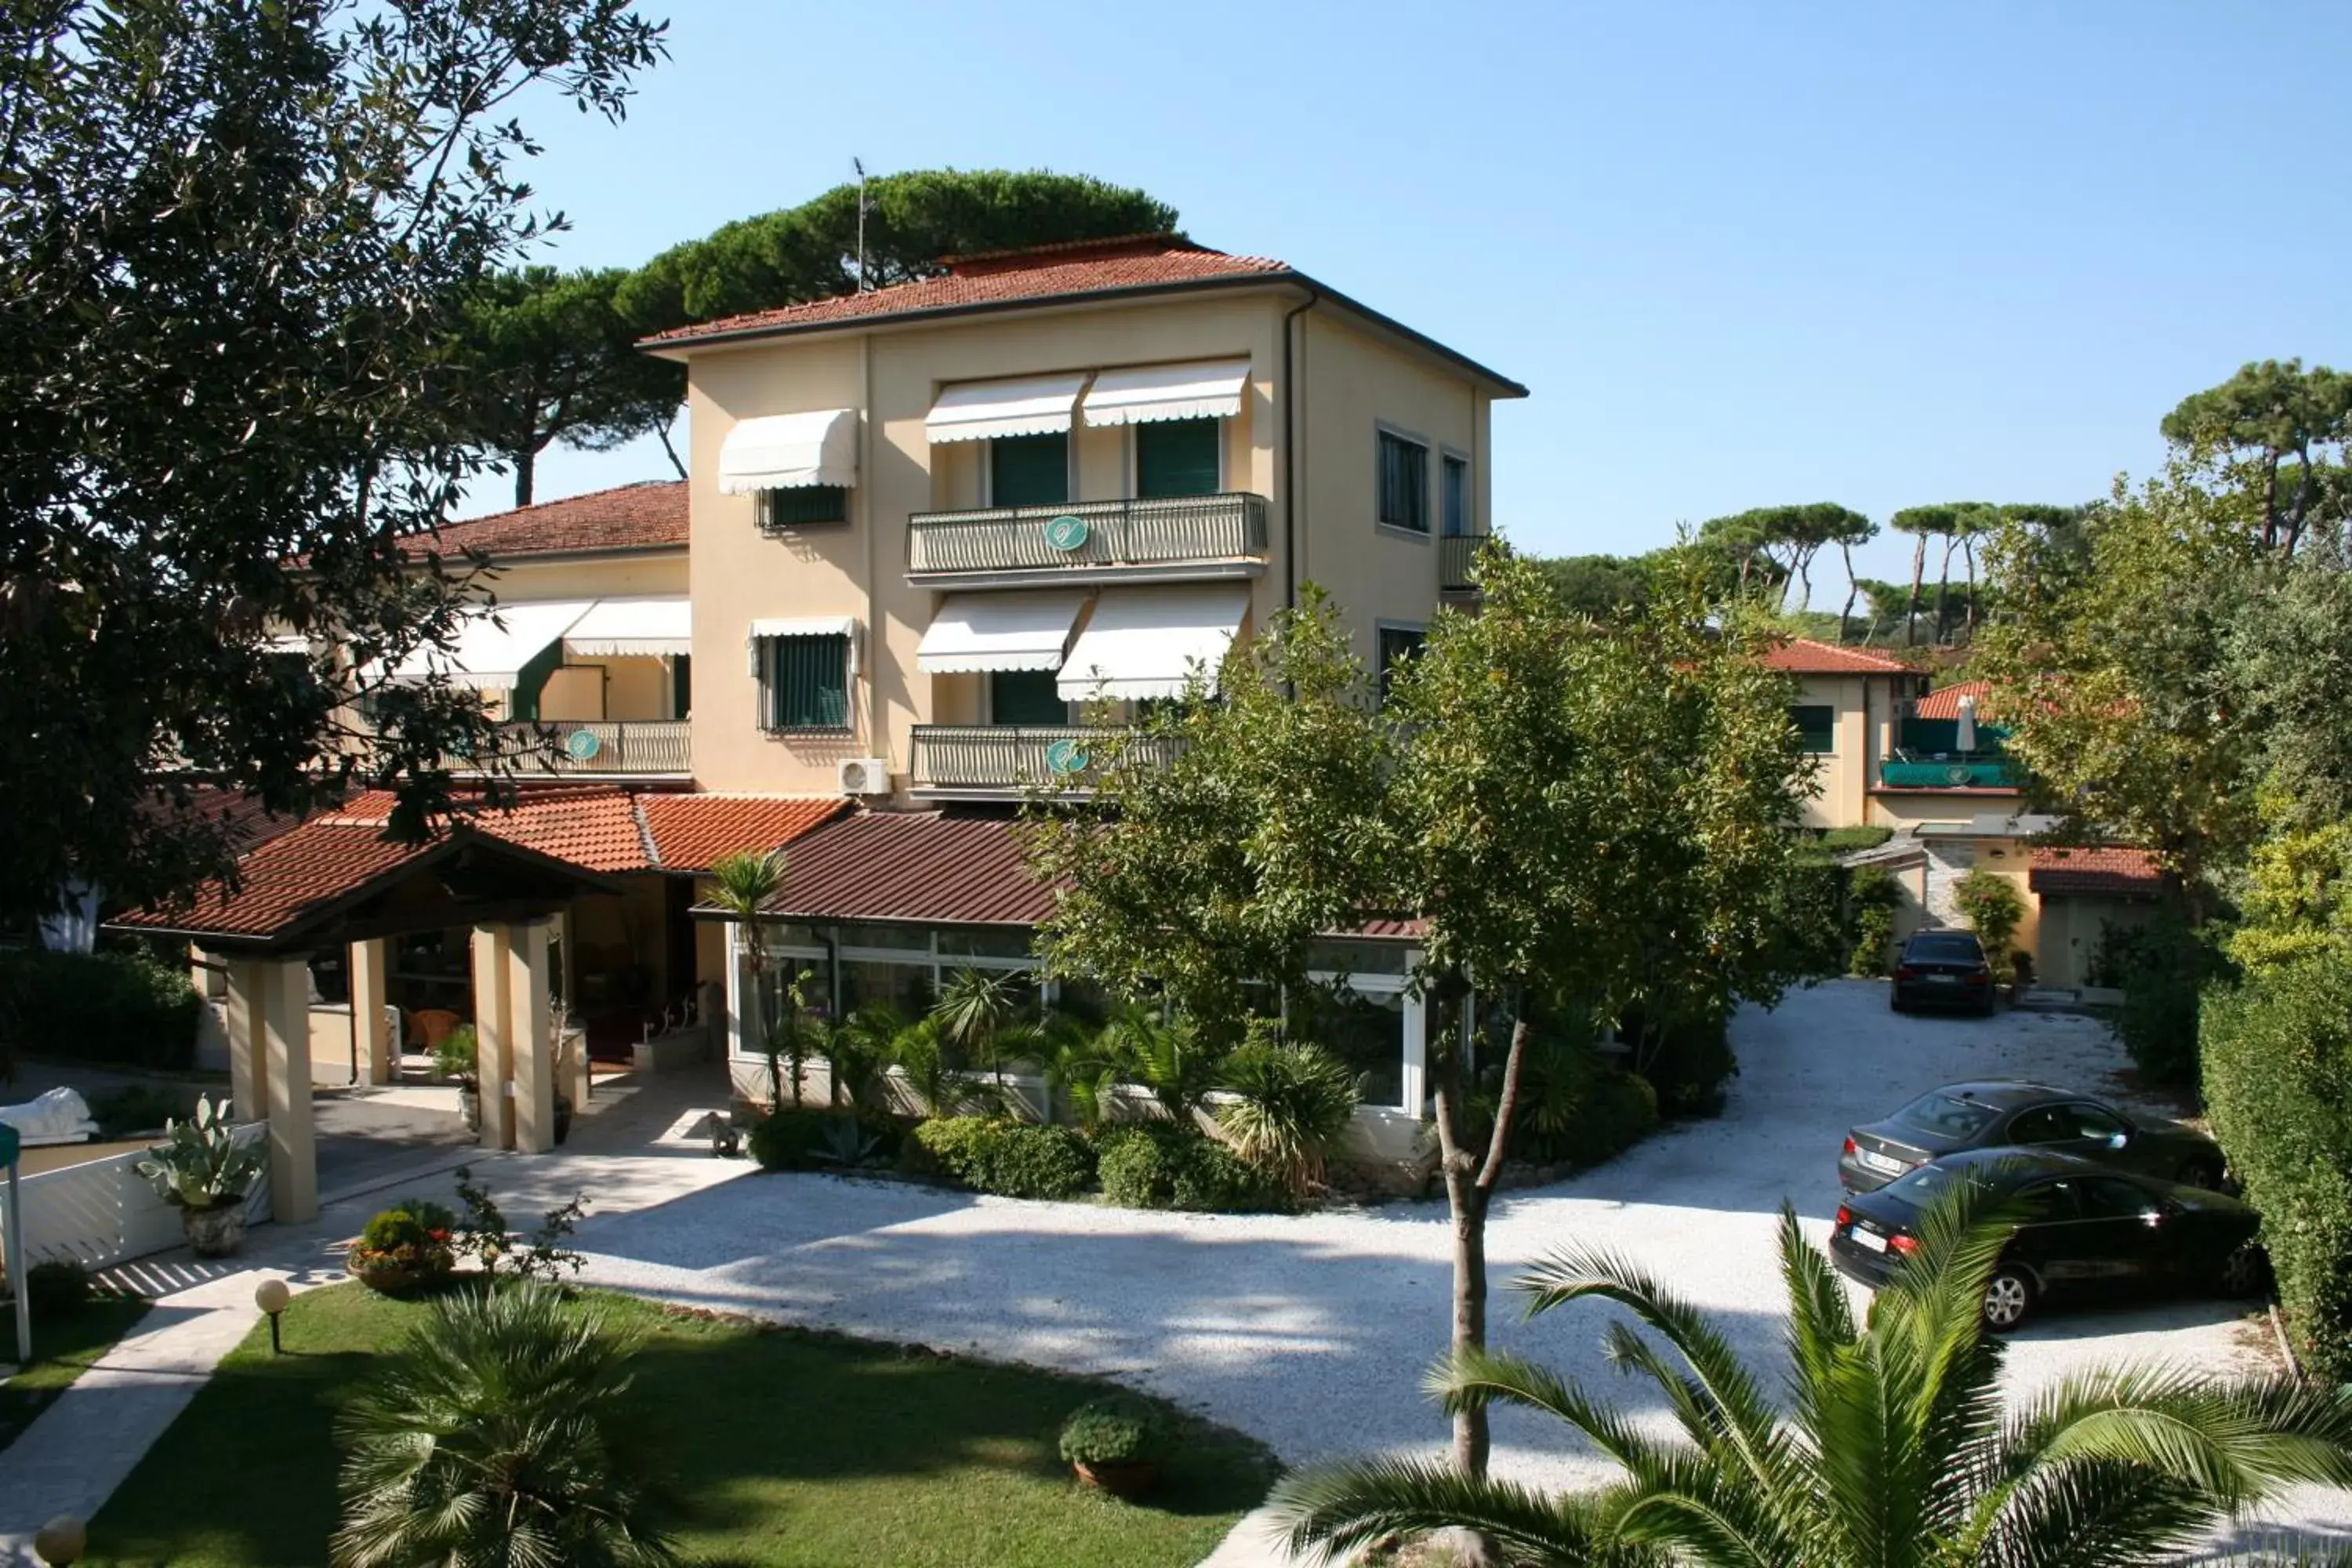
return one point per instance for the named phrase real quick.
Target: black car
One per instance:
(2035, 1115)
(2088, 1230)
(1942, 969)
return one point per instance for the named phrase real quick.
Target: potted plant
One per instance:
(1116, 1445)
(404, 1247)
(203, 1170)
(456, 1056)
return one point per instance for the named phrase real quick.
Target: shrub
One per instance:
(58, 1286)
(1573, 1108)
(1846, 840)
(1994, 908)
(1165, 1165)
(135, 1108)
(1010, 1159)
(395, 1228)
(1871, 894)
(1295, 1101)
(1686, 1063)
(792, 1138)
(118, 1007)
(2278, 1084)
(2163, 969)
(1113, 1432)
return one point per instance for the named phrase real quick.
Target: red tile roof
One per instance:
(1803, 656)
(691, 832)
(648, 516)
(1945, 701)
(1048, 272)
(2129, 872)
(286, 879)
(594, 825)
(927, 866)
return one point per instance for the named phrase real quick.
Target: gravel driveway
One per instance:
(1310, 1332)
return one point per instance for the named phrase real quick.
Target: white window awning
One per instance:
(813, 627)
(1203, 389)
(285, 642)
(619, 628)
(985, 410)
(999, 631)
(786, 452)
(497, 641)
(1148, 642)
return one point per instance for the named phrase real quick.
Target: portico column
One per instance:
(370, 962)
(293, 1148)
(248, 1058)
(493, 1022)
(528, 1038)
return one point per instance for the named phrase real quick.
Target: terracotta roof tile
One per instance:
(2108, 870)
(1049, 272)
(923, 866)
(1803, 656)
(1945, 701)
(287, 877)
(649, 516)
(691, 832)
(594, 825)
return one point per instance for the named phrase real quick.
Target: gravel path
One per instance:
(1310, 1332)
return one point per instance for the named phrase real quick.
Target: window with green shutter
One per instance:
(1026, 696)
(1403, 496)
(1817, 723)
(1177, 456)
(807, 682)
(1029, 471)
(800, 506)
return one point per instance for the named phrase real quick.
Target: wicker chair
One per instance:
(431, 1026)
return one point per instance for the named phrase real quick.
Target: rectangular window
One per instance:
(805, 681)
(802, 506)
(1817, 723)
(1404, 483)
(1397, 645)
(1177, 456)
(681, 686)
(1026, 696)
(1029, 471)
(1453, 495)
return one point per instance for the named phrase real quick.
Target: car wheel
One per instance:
(2246, 1271)
(2007, 1299)
(2204, 1173)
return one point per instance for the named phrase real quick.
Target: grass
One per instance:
(787, 1448)
(64, 1345)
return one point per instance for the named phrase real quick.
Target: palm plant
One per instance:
(980, 1015)
(1167, 1055)
(1077, 1073)
(857, 1052)
(922, 1052)
(495, 1439)
(1293, 1102)
(1895, 1452)
(741, 885)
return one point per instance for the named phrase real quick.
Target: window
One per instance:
(1453, 495)
(1397, 645)
(1026, 696)
(1177, 456)
(1029, 471)
(2109, 1197)
(802, 506)
(1404, 483)
(1817, 723)
(805, 682)
(2043, 1124)
(1941, 1115)
(2091, 1121)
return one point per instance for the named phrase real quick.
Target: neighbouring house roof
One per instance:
(1050, 274)
(938, 868)
(1803, 656)
(692, 832)
(648, 516)
(1944, 703)
(2109, 870)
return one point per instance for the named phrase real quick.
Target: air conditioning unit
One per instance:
(864, 776)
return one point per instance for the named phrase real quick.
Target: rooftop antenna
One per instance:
(859, 164)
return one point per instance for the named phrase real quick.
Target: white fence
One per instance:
(104, 1212)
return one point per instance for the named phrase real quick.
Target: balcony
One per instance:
(1978, 770)
(999, 762)
(597, 748)
(1455, 551)
(1159, 538)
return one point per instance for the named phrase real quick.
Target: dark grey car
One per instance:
(2027, 1115)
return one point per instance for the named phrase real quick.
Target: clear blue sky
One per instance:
(1741, 253)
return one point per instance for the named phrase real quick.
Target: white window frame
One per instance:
(1415, 1023)
(929, 955)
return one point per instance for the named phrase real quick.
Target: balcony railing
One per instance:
(1949, 772)
(1455, 551)
(1090, 538)
(573, 747)
(1007, 759)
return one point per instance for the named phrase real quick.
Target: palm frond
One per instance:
(2235, 1442)
(1346, 1508)
(2088, 1514)
(1471, 1378)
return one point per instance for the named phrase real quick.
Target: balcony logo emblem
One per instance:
(1067, 756)
(1067, 532)
(582, 745)
(1958, 773)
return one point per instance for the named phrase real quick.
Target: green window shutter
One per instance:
(681, 686)
(808, 682)
(1454, 497)
(1404, 483)
(1026, 696)
(1177, 456)
(1029, 471)
(800, 506)
(1817, 723)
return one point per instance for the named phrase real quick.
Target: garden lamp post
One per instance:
(271, 1295)
(61, 1540)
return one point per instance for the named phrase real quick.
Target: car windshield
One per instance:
(1941, 1115)
(1951, 946)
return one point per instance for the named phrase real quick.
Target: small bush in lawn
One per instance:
(1163, 1165)
(792, 1138)
(1113, 1432)
(1010, 1159)
(57, 1286)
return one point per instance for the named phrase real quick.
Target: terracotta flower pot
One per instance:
(1128, 1478)
(395, 1273)
(215, 1232)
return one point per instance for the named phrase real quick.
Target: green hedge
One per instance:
(2278, 1083)
(1163, 1165)
(119, 1008)
(2164, 969)
(1688, 1068)
(1010, 1159)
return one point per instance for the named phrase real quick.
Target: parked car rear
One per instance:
(2033, 1115)
(1942, 969)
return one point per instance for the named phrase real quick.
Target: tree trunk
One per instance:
(662, 434)
(1969, 554)
(1919, 569)
(526, 464)
(1944, 592)
(1845, 552)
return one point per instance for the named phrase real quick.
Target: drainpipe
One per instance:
(1290, 451)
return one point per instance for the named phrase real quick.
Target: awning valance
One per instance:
(999, 631)
(1147, 642)
(985, 410)
(786, 452)
(1203, 389)
(623, 627)
(497, 641)
(810, 627)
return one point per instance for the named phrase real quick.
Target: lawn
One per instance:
(64, 1344)
(788, 1449)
